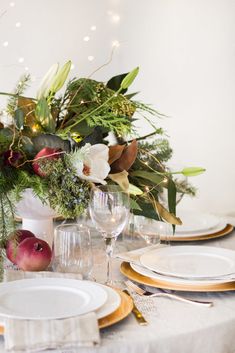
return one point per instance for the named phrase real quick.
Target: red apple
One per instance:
(14, 240)
(33, 254)
(45, 153)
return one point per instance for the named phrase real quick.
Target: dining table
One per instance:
(173, 326)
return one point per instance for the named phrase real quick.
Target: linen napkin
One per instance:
(13, 275)
(36, 335)
(134, 255)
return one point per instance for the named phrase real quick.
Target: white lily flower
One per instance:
(91, 163)
(45, 84)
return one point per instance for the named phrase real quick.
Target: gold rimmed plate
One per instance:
(121, 313)
(129, 272)
(194, 237)
(124, 309)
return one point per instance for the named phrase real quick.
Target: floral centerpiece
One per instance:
(59, 145)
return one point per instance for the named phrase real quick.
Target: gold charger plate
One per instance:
(121, 313)
(128, 271)
(227, 230)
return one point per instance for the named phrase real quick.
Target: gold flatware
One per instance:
(136, 312)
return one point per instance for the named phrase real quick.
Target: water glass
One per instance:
(72, 250)
(153, 231)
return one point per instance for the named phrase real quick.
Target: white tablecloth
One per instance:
(174, 327)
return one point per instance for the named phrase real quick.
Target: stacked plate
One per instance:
(192, 268)
(199, 226)
(58, 298)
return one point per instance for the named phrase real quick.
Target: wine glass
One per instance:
(109, 210)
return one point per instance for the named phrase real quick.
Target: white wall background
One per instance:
(186, 52)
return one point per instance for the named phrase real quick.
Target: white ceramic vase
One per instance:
(36, 216)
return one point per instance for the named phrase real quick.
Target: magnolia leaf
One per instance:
(127, 158)
(167, 216)
(133, 190)
(151, 176)
(27, 145)
(52, 141)
(115, 83)
(60, 77)
(19, 119)
(193, 171)
(45, 84)
(121, 179)
(171, 195)
(134, 205)
(127, 81)
(115, 152)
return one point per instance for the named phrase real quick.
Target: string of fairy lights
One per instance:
(113, 16)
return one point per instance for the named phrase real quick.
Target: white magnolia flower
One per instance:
(91, 163)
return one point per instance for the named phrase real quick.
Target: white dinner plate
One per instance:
(49, 298)
(190, 261)
(196, 222)
(112, 303)
(221, 225)
(176, 280)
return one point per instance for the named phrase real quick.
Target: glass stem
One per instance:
(109, 245)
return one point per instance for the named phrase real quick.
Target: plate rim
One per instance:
(118, 315)
(178, 280)
(222, 225)
(227, 230)
(108, 288)
(200, 216)
(201, 250)
(55, 281)
(127, 271)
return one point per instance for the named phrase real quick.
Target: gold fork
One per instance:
(132, 286)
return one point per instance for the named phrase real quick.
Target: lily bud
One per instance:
(45, 84)
(60, 78)
(193, 171)
(129, 78)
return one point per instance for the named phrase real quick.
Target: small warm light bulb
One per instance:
(18, 24)
(21, 60)
(147, 188)
(146, 163)
(93, 28)
(12, 4)
(86, 39)
(82, 102)
(26, 68)
(90, 58)
(5, 44)
(116, 44)
(115, 18)
(165, 180)
(113, 220)
(34, 128)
